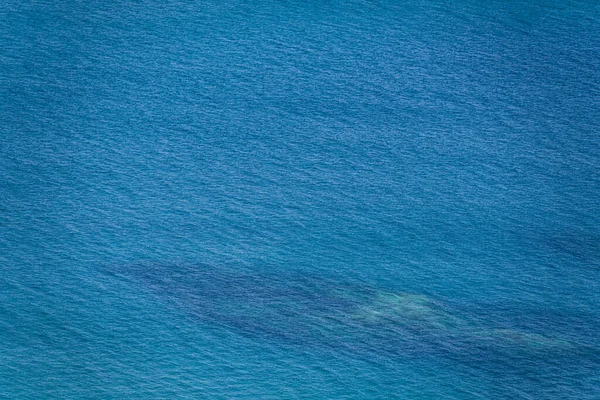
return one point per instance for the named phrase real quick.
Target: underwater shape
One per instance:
(315, 312)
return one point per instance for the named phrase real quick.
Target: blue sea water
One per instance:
(300, 200)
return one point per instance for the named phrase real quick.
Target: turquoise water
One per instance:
(281, 199)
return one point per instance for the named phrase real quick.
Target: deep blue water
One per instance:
(284, 199)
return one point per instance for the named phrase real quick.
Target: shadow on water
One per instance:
(304, 310)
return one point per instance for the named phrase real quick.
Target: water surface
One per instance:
(299, 199)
